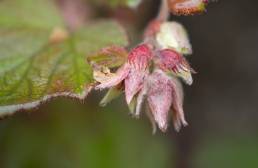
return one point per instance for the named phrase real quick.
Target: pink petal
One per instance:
(151, 118)
(160, 98)
(140, 56)
(140, 99)
(138, 59)
(134, 83)
(116, 78)
(170, 60)
(178, 96)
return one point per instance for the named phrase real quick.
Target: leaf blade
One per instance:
(35, 69)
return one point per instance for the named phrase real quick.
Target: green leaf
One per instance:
(115, 3)
(110, 57)
(40, 60)
(133, 3)
(29, 13)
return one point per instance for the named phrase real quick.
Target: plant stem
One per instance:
(75, 12)
(163, 14)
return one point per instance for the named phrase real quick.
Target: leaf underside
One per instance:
(33, 68)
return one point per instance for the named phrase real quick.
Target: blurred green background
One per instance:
(69, 134)
(221, 106)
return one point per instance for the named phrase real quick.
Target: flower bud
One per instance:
(160, 98)
(173, 35)
(138, 59)
(187, 7)
(177, 104)
(170, 60)
(140, 56)
(134, 83)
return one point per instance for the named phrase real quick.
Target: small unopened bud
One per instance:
(174, 36)
(187, 7)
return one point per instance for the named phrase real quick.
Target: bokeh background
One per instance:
(221, 106)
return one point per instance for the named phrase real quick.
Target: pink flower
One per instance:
(172, 61)
(164, 93)
(132, 72)
(159, 98)
(150, 73)
(157, 84)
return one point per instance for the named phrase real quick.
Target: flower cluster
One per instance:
(151, 73)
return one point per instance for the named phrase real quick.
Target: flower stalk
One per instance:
(163, 14)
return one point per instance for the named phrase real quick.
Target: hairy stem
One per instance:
(163, 14)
